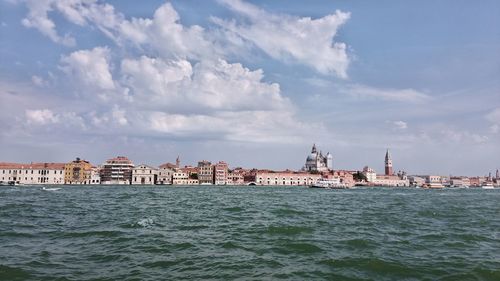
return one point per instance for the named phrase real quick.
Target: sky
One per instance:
(254, 83)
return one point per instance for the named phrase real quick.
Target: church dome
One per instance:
(311, 157)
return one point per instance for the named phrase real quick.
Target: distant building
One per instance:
(433, 181)
(235, 178)
(182, 178)
(388, 164)
(205, 172)
(144, 175)
(165, 173)
(265, 177)
(77, 172)
(33, 173)
(316, 162)
(220, 173)
(117, 171)
(370, 174)
(417, 181)
(95, 177)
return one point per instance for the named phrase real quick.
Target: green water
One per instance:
(248, 233)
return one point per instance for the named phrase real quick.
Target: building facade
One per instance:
(205, 172)
(33, 173)
(144, 175)
(316, 162)
(117, 171)
(264, 177)
(77, 172)
(220, 173)
(165, 173)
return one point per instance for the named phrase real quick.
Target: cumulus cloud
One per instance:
(90, 67)
(209, 85)
(292, 39)
(185, 85)
(399, 95)
(41, 117)
(38, 18)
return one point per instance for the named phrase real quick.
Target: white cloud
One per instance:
(38, 18)
(209, 85)
(90, 67)
(401, 125)
(39, 81)
(288, 38)
(245, 126)
(399, 95)
(41, 117)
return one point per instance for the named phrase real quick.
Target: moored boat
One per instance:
(329, 184)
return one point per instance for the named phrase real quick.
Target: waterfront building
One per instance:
(388, 164)
(474, 182)
(117, 171)
(388, 178)
(346, 177)
(235, 178)
(95, 177)
(316, 162)
(165, 173)
(180, 177)
(417, 181)
(205, 172)
(33, 173)
(144, 175)
(370, 174)
(77, 172)
(433, 181)
(266, 177)
(220, 173)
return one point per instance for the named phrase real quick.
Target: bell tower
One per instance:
(388, 164)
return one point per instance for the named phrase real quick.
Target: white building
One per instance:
(433, 181)
(316, 162)
(144, 175)
(33, 173)
(182, 178)
(285, 178)
(95, 178)
(165, 173)
(370, 174)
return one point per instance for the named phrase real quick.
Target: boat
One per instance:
(50, 188)
(329, 184)
(488, 185)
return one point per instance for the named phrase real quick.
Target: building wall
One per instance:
(285, 178)
(206, 172)
(144, 175)
(220, 173)
(165, 176)
(117, 171)
(77, 172)
(34, 173)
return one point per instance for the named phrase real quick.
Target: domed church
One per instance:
(317, 162)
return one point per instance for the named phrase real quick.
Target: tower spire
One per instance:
(388, 164)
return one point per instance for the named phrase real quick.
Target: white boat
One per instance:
(50, 188)
(488, 185)
(329, 184)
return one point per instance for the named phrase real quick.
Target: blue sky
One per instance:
(253, 83)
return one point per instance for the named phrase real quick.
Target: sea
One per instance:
(248, 233)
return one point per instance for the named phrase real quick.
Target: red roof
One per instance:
(37, 166)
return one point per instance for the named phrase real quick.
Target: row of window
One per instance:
(40, 172)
